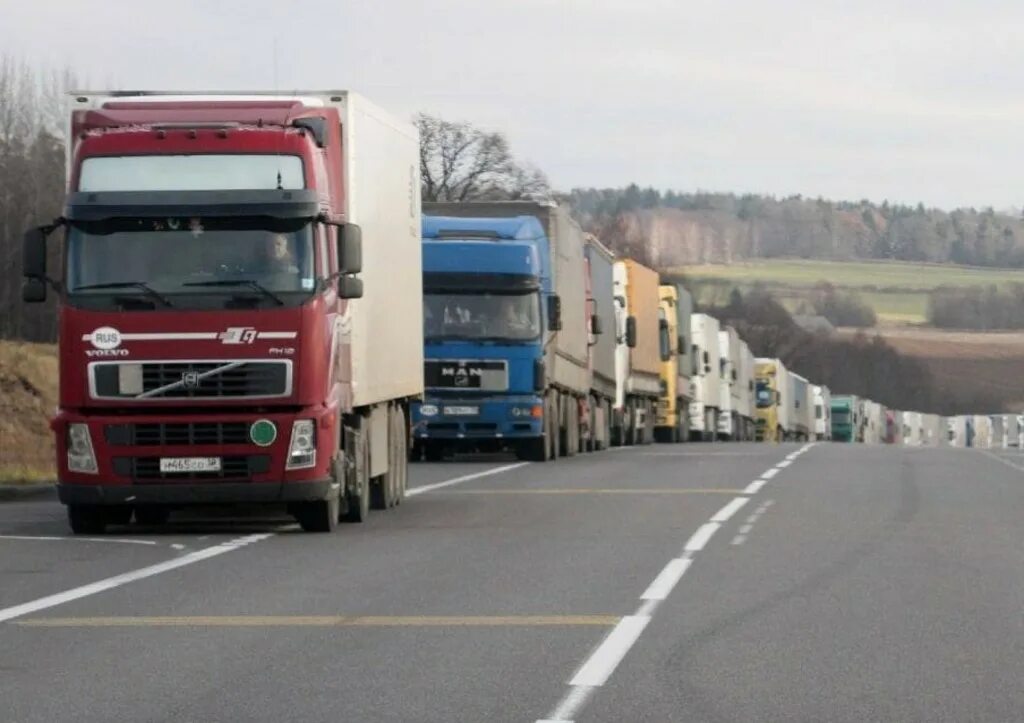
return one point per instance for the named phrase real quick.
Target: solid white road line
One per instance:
(701, 536)
(119, 580)
(464, 478)
(666, 580)
(603, 661)
(770, 473)
(754, 487)
(783, 464)
(78, 539)
(730, 509)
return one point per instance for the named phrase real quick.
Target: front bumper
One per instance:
(493, 419)
(195, 493)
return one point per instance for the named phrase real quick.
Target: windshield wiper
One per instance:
(143, 286)
(252, 284)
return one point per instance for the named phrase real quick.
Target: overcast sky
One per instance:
(880, 99)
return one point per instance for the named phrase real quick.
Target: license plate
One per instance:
(189, 464)
(462, 411)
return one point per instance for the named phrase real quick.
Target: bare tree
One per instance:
(32, 111)
(460, 162)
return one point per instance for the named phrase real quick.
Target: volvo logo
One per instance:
(190, 380)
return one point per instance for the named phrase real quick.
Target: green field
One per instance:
(897, 291)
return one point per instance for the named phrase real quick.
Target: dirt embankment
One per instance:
(28, 398)
(967, 364)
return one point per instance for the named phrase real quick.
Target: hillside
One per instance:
(28, 397)
(677, 229)
(897, 291)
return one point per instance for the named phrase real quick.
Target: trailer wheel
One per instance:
(552, 427)
(385, 490)
(87, 519)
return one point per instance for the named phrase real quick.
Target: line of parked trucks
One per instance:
(254, 307)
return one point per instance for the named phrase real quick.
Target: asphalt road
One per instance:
(668, 583)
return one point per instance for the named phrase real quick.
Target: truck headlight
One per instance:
(302, 449)
(81, 457)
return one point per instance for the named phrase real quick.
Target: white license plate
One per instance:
(189, 464)
(462, 411)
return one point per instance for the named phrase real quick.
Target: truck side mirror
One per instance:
(350, 249)
(555, 312)
(681, 345)
(33, 266)
(595, 325)
(350, 287)
(631, 332)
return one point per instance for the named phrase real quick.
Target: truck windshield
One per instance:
(764, 394)
(181, 256)
(481, 316)
(840, 416)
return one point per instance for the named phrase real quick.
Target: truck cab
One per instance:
(211, 350)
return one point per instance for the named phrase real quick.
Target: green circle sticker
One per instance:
(263, 432)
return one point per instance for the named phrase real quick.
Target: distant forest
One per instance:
(668, 229)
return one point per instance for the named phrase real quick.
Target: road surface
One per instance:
(667, 583)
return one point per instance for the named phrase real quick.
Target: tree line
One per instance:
(684, 228)
(977, 308)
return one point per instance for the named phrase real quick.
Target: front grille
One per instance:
(191, 379)
(187, 433)
(466, 374)
(232, 467)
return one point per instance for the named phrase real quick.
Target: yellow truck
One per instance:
(675, 308)
(774, 387)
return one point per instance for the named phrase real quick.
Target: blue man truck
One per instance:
(507, 324)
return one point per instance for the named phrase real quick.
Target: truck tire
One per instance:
(318, 515)
(552, 431)
(152, 515)
(357, 501)
(572, 427)
(87, 519)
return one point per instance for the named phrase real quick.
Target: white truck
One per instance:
(747, 409)
(801, 403)
(730, 364)
(637, 353)
(704, 409)
(822, 413)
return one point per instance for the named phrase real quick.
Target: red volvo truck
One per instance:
(240, 305)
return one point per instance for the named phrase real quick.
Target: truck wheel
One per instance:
(552, 428)
(572, 428)
(384, 490)
(87, 519)
(152, 516)
(318, 515)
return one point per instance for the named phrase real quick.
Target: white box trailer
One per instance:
(729, 425)
(822, 413)
(933, 431)
(746, 409)
(874, 422)
(801, 404)
(912, 429)
(704, 408)
(956, 431)
(982, 431)
(1015, 432)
